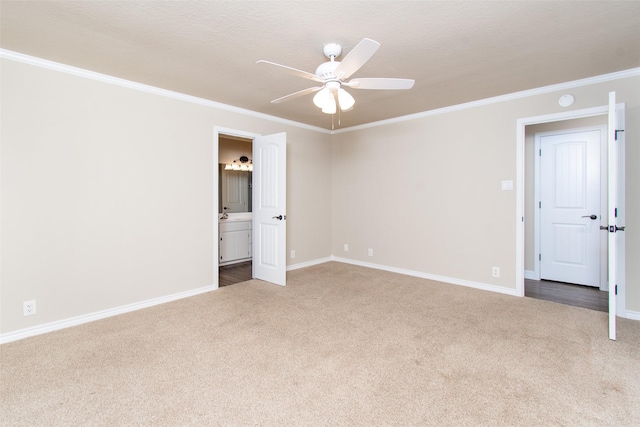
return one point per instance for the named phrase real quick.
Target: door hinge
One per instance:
(539, 257)
(539, 205)
(618, 130)
(616, 290)
(615, 212)
(540, 153)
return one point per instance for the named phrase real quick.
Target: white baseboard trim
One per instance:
(308, 263)
(628, 314)
(530, 274)
(90, 317)
(444, 279)
(633, 315)
(86, 318)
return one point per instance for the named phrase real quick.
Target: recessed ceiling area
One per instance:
(456, 52)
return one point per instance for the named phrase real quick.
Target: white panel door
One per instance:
(570, 207)
(269, 208)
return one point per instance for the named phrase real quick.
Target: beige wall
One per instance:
(108, 194)
(426, 194)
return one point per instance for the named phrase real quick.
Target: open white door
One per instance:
(615, 211)
(269, 208)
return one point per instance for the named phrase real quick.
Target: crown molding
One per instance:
(56, 66)
(633, 72)
(104, 78)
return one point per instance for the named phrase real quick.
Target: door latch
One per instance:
(612, 228)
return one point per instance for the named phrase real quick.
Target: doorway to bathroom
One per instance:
(235, 206)
(259, 232)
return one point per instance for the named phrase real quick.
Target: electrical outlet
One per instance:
(293, 254)
(370, 252)
(495, 271)
(29, 308)
(346, 247)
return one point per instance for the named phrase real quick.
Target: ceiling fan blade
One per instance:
(293, 71)
(355, 59)
(380, 83)
(296, 94)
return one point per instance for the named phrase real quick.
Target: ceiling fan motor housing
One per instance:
(326, 70)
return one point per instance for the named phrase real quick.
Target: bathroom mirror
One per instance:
(235, 190)
(234, 174)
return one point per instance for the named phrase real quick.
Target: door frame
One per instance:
(537, 271)
(520, 189)
(217, 131)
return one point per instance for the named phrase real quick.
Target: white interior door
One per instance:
(615, 210)
(269, 208)
(570, 209)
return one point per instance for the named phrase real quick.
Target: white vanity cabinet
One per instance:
(234, 241)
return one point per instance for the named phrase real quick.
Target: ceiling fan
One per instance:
(334, 74)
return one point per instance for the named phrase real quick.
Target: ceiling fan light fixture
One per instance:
(330, 106)
(325, 99)
(345, 100)
(322, 98)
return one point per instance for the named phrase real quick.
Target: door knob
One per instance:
(279, 217)
(594, 217)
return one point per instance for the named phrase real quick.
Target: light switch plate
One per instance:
(507, 185)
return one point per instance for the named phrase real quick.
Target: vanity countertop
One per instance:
(234, 218)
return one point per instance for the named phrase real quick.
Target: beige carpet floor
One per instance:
(339, 345)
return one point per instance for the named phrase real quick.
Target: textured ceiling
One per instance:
(456, 51)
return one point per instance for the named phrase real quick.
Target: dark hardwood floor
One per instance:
(234, 273)
(566, 293)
